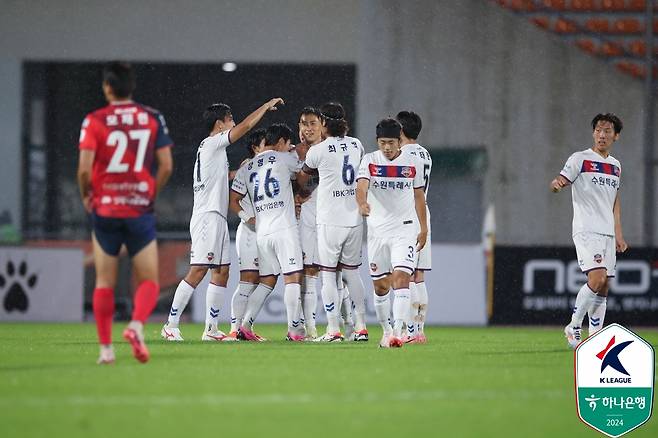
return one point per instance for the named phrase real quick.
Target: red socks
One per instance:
(103, 303)
(146, 298)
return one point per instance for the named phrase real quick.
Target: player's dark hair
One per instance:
(608, 117)
(216, 111)
(333, 114)
(253, 141)
(310, 110)
(277, 132)
(120, 77)
(388, 128)
(411, 123)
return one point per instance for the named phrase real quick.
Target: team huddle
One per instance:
(302, 209)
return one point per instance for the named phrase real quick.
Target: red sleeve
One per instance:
(89, 134)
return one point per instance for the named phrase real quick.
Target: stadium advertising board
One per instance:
(538, 285)
(41, 284)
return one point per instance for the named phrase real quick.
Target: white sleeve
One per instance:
(419, 177)
(364, 168)
(221, 140)
(571, 168)
(294, 164)
(313, 158)
(239, 184)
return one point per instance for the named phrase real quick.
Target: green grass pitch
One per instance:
(466, 382)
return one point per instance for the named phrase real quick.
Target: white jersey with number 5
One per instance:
(337, 161)
(425, 163)
(211, 175)
(269, 185)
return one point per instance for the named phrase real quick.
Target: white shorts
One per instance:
(387, 254)
(309, 242)
(425, 256)
(596, 251)
(245, 242)
(280, 252)
(209, 232)
(339, 245)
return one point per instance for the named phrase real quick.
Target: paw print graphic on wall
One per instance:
(15, 283)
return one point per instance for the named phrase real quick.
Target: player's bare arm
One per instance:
(620, 243)
(362, 187)
(85, 165)
(165, 167)
(234, 199)
(252, 119)
(421, 212)
(559, 183)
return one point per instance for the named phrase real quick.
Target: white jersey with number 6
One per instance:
(337, 161)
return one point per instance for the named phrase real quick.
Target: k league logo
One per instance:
(614, 373)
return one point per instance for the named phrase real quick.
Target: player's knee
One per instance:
(419, 276)
(382, 287)
(401, 279)
(195, 275)
(249, 277)
(598, 281)
(295, 277)
(219, 276)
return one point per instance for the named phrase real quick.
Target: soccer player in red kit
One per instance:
(120, 144)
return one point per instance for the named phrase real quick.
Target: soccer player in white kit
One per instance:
(594, 176)
(411, 126)
(310, 132)
(208, 227)
(245, 237)
(269, 185)
(339, 223)
(390, 195)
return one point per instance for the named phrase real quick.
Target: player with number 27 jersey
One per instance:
(124, 137)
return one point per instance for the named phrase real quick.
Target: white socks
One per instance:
(421, 292)
(239, 303)
(400, 310)
(596, 313)
(255, 304)
(358, 294)
(414, 308)
(330, 300)
(383, 311)
(310, 304)
(291, 298)
(181, 298)
(584, 300)
(214, 300)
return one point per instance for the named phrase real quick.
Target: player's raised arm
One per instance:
(620, 243)
(165, 167)
(252, 119)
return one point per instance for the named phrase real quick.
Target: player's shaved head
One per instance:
(120, 77)
(411, 124)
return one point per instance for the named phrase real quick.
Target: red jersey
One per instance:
(125, 137)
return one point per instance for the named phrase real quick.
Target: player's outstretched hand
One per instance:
(557, 184)
(364, 209)
(621, 244)
(271, 105)
(421, 240)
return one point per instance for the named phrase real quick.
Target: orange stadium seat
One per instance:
(613, 5)
(583, 5)
(543, 22)
(627, 25)
(636, 5)
(611, 49)
(587, 45)
(522, 5)
(601, 25)
(559, 5)
(638, 48)
(565, 26)
(631, 68)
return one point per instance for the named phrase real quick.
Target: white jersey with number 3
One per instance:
(594, 184)
(268, 184)
(337, 161)
(211, 175)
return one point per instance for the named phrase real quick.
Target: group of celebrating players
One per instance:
(301, 207)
